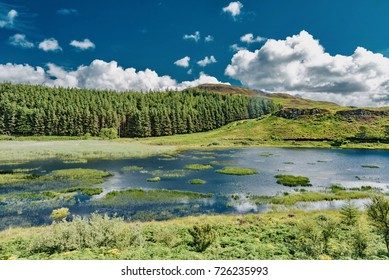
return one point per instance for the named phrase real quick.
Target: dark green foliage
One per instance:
(350, 213)
(108, 133)
(203, 236)
(378, 212)
(39, 110)
(292, 181)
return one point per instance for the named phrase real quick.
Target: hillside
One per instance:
(300, 122)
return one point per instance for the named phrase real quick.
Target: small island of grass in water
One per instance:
(292, 181)
(240, 171)
(198, 166)
(197, 182)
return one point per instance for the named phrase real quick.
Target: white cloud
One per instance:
(234, 8)
(83, 45)
(67, 11)
(19, 40)
(207, 60)
(209, 38)
(236, 48)
(249, 39)
(50, 45)
(183, 62)
(98, 75)
(196, 36)
(8, 20)
(203, 79)
(25, 74)
(300, 65)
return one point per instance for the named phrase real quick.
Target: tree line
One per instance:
(40, 110)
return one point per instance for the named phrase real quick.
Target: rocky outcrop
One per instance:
(362, 113)
(294, 113)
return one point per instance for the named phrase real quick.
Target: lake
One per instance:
(324, 167)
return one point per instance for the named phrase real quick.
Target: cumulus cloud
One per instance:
(300, 65)
(203, 79)
(8, 19)
(25, 74)
(48, 45)
(207, 60)
(67, 11)
(98, 75)
(20, 40)
(83, 45)
(209, 38)
(183, 62)
(249, 39)
(234, 8)
(195, 37)
(236, 47)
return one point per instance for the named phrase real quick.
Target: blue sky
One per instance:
(184, 43)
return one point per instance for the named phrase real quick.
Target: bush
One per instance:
(108, 133)
(59, 214)
(349, 213)
(378, 213)
(81, 233)
(203, 236)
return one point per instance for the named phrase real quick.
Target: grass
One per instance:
(131, 168)
(175, 173)
(84, 175)
(296, 235)
(16, 178)
(240, 171)
(198, 166)
(197, 182)
(72, 149)
(84, 190)
(292, 181)
(370, 166)
(136, 196)
(154, 179)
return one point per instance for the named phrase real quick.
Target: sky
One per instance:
(325, 50)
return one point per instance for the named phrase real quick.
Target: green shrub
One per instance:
(203, 236)
(378, 213)
(349, 213)
(93, 232)
(108, 133)
(59, 214)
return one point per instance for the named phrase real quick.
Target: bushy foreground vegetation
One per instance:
(345, 234)
(39, 110)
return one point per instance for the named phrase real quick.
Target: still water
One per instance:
(324, 167)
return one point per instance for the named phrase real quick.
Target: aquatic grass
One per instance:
(197, 182)
(370, 166)
(16, 178)
(174, 173)
(131, 168)
(291, 199)
(76, 160)
(84, 190)
(265, 154)
(239, 171)
(154, 179)
(222, 162)
(198, 166)
(140, 196)
(292, 181)
(79, 174)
